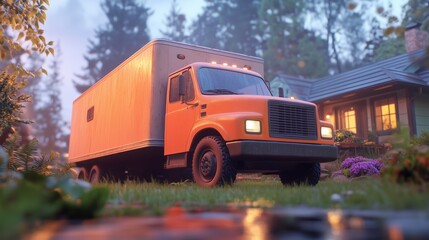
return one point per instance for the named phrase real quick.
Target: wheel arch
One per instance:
(197, 138)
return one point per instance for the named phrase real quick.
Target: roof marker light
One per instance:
(225, 64)
(234, 66)
(213, 62)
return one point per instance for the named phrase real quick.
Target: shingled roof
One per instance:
(397, 69)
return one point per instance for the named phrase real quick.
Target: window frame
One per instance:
(342, 123)
(189, 88)
(374, 101)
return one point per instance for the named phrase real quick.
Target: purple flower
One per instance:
(377, 164)
(348, 162)
(363, 168)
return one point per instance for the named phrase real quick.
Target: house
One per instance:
(374, 100)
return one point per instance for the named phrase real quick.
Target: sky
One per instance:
(72, 23)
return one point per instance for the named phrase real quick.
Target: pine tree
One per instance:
(288, 46)
(230, 25)
(125, 32)
(49, 123)
(175, 24)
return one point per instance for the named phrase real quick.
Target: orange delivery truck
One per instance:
(177, 106)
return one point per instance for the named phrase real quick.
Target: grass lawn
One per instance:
(133, 198)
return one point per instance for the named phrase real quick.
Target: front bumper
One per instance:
(248, 150)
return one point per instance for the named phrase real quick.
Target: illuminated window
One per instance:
(348, 119)
(385, 114)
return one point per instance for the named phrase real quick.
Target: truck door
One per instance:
(180, 113)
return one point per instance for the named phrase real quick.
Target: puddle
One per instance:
(255, 223)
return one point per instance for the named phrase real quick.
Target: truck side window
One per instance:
(174, 90)
(189, 92)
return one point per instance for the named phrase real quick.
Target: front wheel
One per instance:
(303, 174)
(211, 163)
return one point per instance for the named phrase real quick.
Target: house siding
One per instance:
(421, 109)
(403, 109)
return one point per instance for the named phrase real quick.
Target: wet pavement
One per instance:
(250, 223)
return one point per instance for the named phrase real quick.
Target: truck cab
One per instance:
(222, 119)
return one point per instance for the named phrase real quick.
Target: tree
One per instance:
(230, 25)
(20, 33)
(175, 24)
(343, 26)
(125, 32)
(417, 11)
(287, 46)
(49, 123)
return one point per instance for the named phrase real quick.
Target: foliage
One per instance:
(408, 161)
(35, 188)
(231, 25)
(346, 136)
(48, 127)
(175, 24)
(20, 35)
(417, 11)
(26, 157)
(21, 30)
(287, 46)
(125, 32)
(423, 139)
(11, 103)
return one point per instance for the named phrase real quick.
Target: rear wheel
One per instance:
(211, 163)
(83, 174)
(303, 174)
(96, 174)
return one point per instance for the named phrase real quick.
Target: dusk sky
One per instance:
(71, 23)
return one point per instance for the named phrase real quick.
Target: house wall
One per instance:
(402, 111)
(421, 109)
(277, 83)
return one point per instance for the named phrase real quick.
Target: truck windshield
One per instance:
(221, 82)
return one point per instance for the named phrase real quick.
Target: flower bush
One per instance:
(408, 161)
(360, 166)
(345, 136)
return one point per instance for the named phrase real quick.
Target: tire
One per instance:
(211, 163)
(83, 174)
(95, 175)
(304, 174)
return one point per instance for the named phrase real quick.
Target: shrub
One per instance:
(408, 161)
(346, 136)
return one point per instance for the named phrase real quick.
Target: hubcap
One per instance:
(208, 166)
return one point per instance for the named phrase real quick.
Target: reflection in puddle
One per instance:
(334, 218)
(257, 223)
(255, 227)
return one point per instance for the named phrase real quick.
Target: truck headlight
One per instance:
(326, 132)
(253, 126)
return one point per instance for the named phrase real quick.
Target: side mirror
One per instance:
(281, 92)
(182, 86)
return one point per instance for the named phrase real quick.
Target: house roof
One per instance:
(400, 69)
(379, 73)
(300, 86)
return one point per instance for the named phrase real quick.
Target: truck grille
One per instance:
(292, 120)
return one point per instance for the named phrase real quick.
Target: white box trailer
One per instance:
(119, 121)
